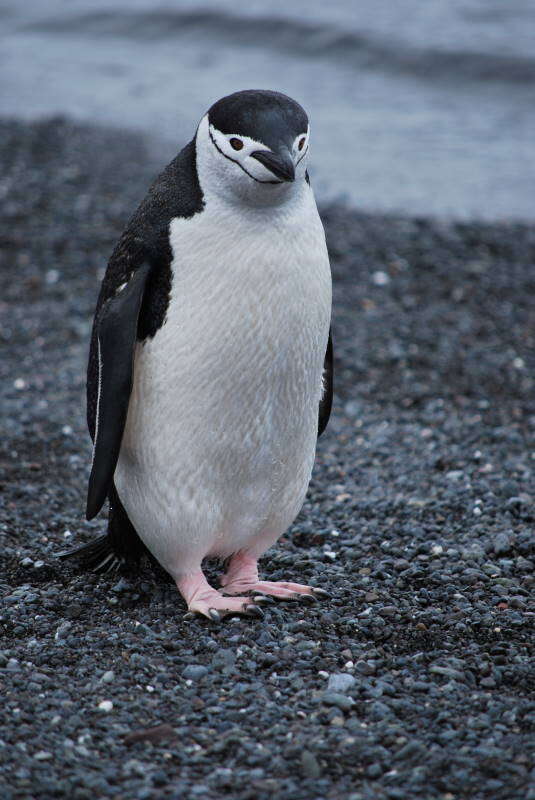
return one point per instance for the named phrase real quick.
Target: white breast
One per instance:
(222, 423)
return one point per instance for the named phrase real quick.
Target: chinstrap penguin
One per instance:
(210, 366)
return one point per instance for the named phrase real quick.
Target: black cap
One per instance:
(272, 118)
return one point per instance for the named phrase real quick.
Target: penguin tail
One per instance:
(97, 556)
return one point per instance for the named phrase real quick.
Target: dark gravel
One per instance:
(414, 679)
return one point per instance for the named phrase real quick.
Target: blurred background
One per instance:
(415, 107)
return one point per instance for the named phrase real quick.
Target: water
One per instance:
(425, 108)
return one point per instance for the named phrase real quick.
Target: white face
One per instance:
(226, 165)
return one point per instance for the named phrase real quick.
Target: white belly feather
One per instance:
(222, 423)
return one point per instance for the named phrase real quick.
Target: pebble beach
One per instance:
(415, 678)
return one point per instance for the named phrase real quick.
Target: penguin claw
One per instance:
(263, 598)
(320, 593)
(202, 599)
(188, 615)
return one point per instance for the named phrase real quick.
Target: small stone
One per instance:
(122, 585)
(108, 677)
(195, 672)
(340, 682)
(42, 755)
(224, 658)
(309, 765)
(62, 631)
(365, 667)
(305, 646)
(105, 705)
(388, 611)
(502, 543)
(448, 672)
(374, 770)
(157, 733)
(338, 722)
(454, 474)
(339, 700)
(52, 276)
(380, 278)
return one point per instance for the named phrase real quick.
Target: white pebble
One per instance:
(19, 383)
(477, 511)
(105, 705)
(66, 430)
(340, 682)
(437, 549)
(62, 630)
(519, 363)
(52, 276)
(454, 474)
(380, 278)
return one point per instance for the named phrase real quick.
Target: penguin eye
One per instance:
(236, 144)
(301, 143)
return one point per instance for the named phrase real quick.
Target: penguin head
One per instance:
(253, 145)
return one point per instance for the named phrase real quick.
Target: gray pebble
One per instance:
(194, 672)
(340, 682)
(339, 700)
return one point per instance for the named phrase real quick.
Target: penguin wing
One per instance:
(327, 396)
(116, 330)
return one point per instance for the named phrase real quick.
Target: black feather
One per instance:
(328, 386)
(175, 193)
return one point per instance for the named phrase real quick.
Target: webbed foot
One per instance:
(203, 599)
(241, 578)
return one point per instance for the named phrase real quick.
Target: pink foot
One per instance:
(201, 598)
(242, 577)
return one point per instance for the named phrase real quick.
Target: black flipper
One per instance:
(116, 337)
(327, 396)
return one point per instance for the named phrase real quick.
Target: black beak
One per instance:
(280, 164)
